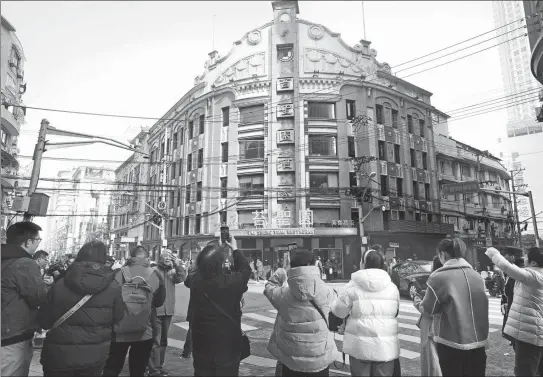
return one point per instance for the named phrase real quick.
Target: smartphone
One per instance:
(225, 234)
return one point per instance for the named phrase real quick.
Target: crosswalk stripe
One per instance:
(244, 327)
(259, 317)
(406, 326)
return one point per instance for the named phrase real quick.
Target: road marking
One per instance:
(408, 317)
(244, 327)
(274, 311)
(259, 317)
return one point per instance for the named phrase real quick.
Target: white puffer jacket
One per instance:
(525, 320)
(373, 301)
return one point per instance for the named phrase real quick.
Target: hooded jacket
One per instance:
(142, 267)
(373, 302)
(172, 276)
(525, 320)
(301, 339)
(82, 341)
(23, 291)
(457, 299)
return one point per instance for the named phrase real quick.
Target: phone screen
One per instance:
(225, 234)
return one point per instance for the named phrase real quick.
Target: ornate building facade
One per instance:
(269, 140)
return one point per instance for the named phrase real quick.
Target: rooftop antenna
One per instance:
(363, 21)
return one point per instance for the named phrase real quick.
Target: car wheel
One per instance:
(412, 291)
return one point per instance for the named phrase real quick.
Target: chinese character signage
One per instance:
(285, 164)
(260, 219)
(461, 188)
(285, 136)
(285, 84)
(285, 110)
(306, 219)
(282, 219)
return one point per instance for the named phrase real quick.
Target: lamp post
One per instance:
(361, 216)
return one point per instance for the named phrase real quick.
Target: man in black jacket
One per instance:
(23, 291)
(187, 348)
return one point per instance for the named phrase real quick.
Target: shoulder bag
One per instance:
(334, 322)
(69, 313)
(245, 343)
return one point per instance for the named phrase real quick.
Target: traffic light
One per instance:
(157, 219)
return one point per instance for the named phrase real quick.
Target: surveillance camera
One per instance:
(383, 208)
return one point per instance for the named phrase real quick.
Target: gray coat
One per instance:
(171, 277)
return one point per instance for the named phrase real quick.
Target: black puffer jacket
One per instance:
(82, 341)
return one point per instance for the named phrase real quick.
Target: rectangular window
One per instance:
(251, 114)
(200, 158)
(393, 186)
(179, 194)
(191, 129)
(187, 194)
(350, 109)
(421, 127)
(224, 187)
(416, 190)
(442, 166)
(427, 191)
(173, 170)
(412, 156)
(180, 167)
(202, 124)
(397, 153)
(171, 228)
(388, 116)
(225, 116)
(251, 149)
(181, 136)
(352, 179)
(467, 198)
(466, 171)
(322, 145)
(350, 146)
(390, 152)
(384, 185)
(394, 118)
(252, 185)
(379, 114)
(162, 150)
(418, 155)
(189, 162)
(399, 186)
(323, 180)
(410, 124)
(322, 110)
(424, 160)
(224, 152)
(174, 141)
(382, 154)
(246, 218)
(179, 226)
(199, 192)
(197, 224)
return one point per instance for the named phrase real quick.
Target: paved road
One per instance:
(258, 319)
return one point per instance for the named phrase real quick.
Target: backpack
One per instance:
(138, 298)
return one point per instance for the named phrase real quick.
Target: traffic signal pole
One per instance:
(515, 207)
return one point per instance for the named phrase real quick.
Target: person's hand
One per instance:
(504, 309)
(491, 252)
(232, 244)
(56, 273)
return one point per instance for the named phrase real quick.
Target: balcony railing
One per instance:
(418, 227)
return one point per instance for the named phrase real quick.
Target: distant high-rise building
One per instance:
(523, 146)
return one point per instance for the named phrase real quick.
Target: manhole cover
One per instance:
(260, 334)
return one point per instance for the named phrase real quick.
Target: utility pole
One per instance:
(515, 206)
(38, 153)
(483, 195)
(167, 151)
(534, 220)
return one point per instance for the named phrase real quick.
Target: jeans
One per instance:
(455, 362)
(371, 368)
(292, 373)
(187, 348)
(16, 358)
(397, 368)
(138, 357)
(87, 372)
(278, 369)
(160, 343)
(527, 358)
(216, 370)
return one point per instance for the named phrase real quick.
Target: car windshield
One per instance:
(427, 267)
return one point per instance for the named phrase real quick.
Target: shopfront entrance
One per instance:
(332, 262)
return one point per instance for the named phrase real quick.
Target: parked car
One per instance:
(413, 276)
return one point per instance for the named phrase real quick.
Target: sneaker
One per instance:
(183, 356)
(163, 373)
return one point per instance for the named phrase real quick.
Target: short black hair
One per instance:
(302, 257)
(138, 250)
(40, 254)
(375, 259)
(436, 263)
(20, 232)
(512, 251)
(210, 261)
(94, 251)
(377, 247)
(535, 254)
(455, 247)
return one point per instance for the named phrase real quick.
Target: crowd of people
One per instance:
(97, 310)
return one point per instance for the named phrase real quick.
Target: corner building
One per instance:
(262, 143)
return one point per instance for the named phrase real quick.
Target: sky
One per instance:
(139, 58)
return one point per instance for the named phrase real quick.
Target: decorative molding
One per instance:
(316, 32)
(244, 68)
(259, 88)
(326, 61)
(254, 37)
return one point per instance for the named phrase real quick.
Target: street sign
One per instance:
(393, 244)
(161, 206)
(467, 187)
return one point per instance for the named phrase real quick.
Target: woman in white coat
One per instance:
(372, 301)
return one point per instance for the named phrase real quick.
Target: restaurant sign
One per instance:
(281, 232)
(467, 187)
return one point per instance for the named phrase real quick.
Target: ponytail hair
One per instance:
(374, 259)
(454, 247)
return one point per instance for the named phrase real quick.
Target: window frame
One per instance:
(310, 105)
(350, 109)
(191, 130)
(201, 124)
(225, 119)
(243, 150)
(224, 152)
(252, 190)
(200, 158)
(329, 138)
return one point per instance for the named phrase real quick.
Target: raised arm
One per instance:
(519, 274)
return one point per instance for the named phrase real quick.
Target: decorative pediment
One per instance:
(250, 66)
(254, 88)
(325, 61)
